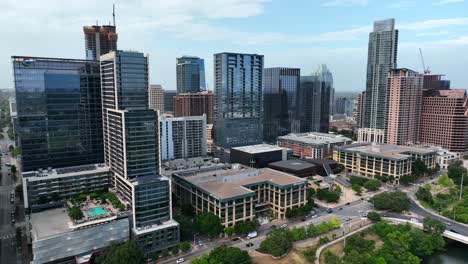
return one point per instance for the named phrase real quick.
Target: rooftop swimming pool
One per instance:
(97, 211)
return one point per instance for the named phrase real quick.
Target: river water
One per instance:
(457, 253)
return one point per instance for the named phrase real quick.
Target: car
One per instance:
(8, 164)
(180, 260)
(348, 203)
(284, 225)
(314, 216)
(414, 220)
(13, 220)
(448, 223)
(272, 226)
(304, 219)
(348, 219)
(235, 239)
(362, 198)
(329, 210)
(453, 230)
(341, 208)
(249, 244)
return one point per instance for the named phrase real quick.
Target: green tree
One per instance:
(186, 227)
(455, 172)
(358, 180)
(356, 188)
(374, 216)
(372, 185)
(224, 255)
(394, 201)
(425, 195)
(396, 249)
(433, 226)
(185, 246)
(298, 233)
(328, 196)
(419, 168)
(246, 226)
(13, 169)
(278, 242)
(208, 223)
(331, 258)
(355, 257)
(358, 243)
(75, 213)
(445, 181)
(128, 252)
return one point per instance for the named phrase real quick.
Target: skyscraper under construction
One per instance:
(100, 40)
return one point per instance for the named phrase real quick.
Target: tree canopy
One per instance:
(425, 195)
(208, 223)
(278, 242)
(433, 226)
(224, 255)
(394, 201)
(128, 252)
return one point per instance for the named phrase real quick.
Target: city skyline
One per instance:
(327, 38)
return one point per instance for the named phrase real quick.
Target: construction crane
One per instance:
(426, 70)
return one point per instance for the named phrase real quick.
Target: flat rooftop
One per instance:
(229, 181)
(315, 138)
(260, 148)
(293, 165)
(47, 174)
(49, 223)
(388, 151)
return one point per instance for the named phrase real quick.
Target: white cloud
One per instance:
(331, 3)
(403, 4)
(446, 2)
(435, 23)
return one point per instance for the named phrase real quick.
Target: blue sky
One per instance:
(294, 33)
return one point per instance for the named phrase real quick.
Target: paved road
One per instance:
(7, 229)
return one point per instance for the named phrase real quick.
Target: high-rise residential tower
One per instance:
(190, 74)
(131, 144)
(59, 114)
(238, 99)
(382, 56)
(156, 97)
(99, 40)
(194, 104)
(404, 95)
(313, 110)
(444, 119)
(280, 95)
(183, 137)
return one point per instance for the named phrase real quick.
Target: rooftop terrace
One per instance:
(315, 138)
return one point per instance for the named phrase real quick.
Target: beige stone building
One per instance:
(237, 193)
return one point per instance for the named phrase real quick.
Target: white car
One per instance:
(284, 225)
(180, 260)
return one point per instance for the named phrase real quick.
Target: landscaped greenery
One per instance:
(373, 216)
(357, 188)
(128, 252)
(279, 240)
(456, 171)
(224, 255)
(329, 196)
(185, 246)
(393, 201)
(242, 227)
(369, 184)
(75, 213)
(207, 223)
(401, 244)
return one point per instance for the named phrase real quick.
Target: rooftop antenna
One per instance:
(113, 13)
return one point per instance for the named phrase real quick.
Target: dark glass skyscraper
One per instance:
(238, 99)
(190, 74)
(313, 111)
(382, 57)
(131, 143)
(169, 100)
(59, 112)
(280, 95)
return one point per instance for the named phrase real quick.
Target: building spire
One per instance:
(113, 13)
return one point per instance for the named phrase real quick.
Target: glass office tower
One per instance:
(280, 95)
(131, 143)
(59, 112)
(190, 74)
(238, 99)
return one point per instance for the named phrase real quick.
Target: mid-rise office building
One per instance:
(314, 101)
(444, 119)
(59, 112)
(404, 97)
(280, 96)
(312, 145)
(238, 99)
(156, 97)
(190, 74)
(169, 100)
(435, 82)
(393, 161)
(382, 56)
(183, 137)
(99, 40)
(131, 143)
(237, 193)
(371, 135)
(194, 104)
